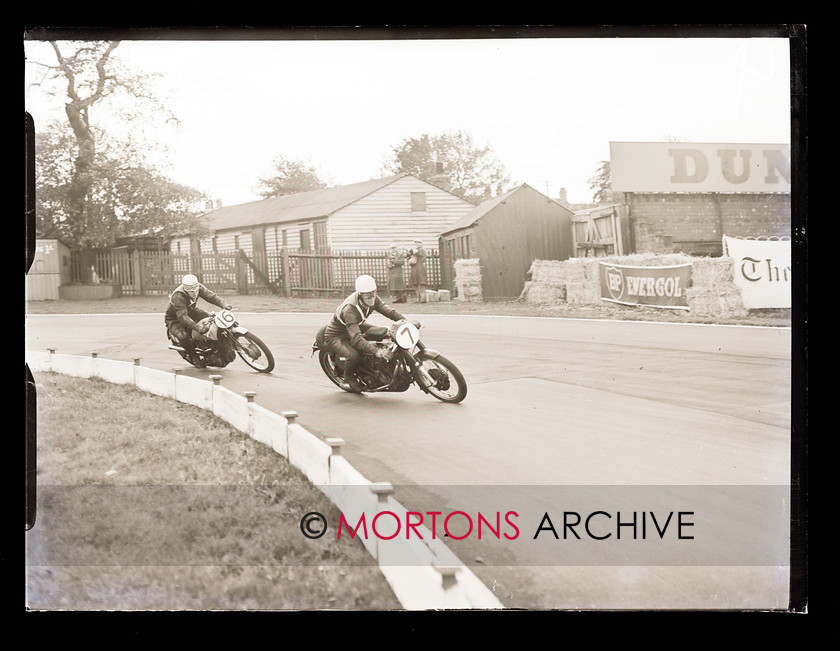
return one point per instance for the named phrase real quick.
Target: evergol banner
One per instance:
(761, 271)
(653, 286)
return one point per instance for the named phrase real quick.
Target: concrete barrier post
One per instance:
(448, 575)
(175, 373)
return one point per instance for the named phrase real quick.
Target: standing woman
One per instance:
(396, 282)
(418, 270)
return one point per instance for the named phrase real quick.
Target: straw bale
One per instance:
(470, 294)
(714, 303)
(548, 271)
(584, 294)
(468, 272)
(544, 293)
(713, 273)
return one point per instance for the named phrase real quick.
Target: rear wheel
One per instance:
(254, 352)
(450, 385)
(329, 365)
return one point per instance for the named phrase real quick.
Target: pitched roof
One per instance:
(296, 207)
(480, 210)
(485, 207)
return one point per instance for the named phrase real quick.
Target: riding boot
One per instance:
(193, 359)
(350, 382)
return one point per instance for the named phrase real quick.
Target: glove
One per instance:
(227, 306)
(384, 353)
(416, 324)
(201, 328)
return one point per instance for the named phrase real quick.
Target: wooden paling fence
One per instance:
(287, 272)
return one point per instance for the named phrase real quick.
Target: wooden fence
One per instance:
(288, 272)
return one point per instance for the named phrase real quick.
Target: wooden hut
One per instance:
(506, 234)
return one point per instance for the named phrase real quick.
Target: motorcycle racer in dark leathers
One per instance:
(183, 315)
(345, 332)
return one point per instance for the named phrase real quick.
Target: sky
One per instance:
(548, 107)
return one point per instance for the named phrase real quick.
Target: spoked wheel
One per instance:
(328, 365)
(450, 385)
(254, 352)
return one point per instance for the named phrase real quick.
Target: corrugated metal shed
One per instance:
(506, 234)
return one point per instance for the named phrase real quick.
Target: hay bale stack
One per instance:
(468, 280)
(584, 285)
(545, 283)
(577, 282)
(713, 292)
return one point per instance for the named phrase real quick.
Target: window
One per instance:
(320, 234)
(418, 202)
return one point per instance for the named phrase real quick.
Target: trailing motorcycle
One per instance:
(223, 341)
(412, 363)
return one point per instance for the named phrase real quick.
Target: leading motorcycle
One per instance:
(412, 363)
(223, 341)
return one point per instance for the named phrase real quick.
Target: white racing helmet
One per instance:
(190, 285)
(366, 288)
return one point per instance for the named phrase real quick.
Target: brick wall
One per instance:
(695, 223)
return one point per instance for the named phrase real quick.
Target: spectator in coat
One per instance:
(396, 282)
(417, 261)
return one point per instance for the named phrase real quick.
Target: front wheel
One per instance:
(254, 352)
(450, 385)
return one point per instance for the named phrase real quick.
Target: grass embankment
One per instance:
(181, 513)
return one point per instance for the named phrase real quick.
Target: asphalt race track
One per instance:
(562, 416)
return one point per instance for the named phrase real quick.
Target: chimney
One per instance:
(208, 204)
(218, 203)
(440, 177)
(562, 196)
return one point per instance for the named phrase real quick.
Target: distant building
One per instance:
(370, 215)
(50, 269)
(684, 197)
(506, 234)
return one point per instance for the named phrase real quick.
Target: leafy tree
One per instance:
(95, 184)
(291, 176)
(601, 183)
(453, 161)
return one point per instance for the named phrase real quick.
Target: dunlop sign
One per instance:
(699, 167)
(652, 286)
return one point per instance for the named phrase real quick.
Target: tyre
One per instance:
(328, 364)
(450, 385)
(254, 352)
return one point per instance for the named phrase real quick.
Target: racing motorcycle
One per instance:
(412, 363)
(224, 340)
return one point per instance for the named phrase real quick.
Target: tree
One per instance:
(292, 176)
(94, 184)
(601, 184)
(451, 160)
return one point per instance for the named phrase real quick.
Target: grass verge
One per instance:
(181, 513)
